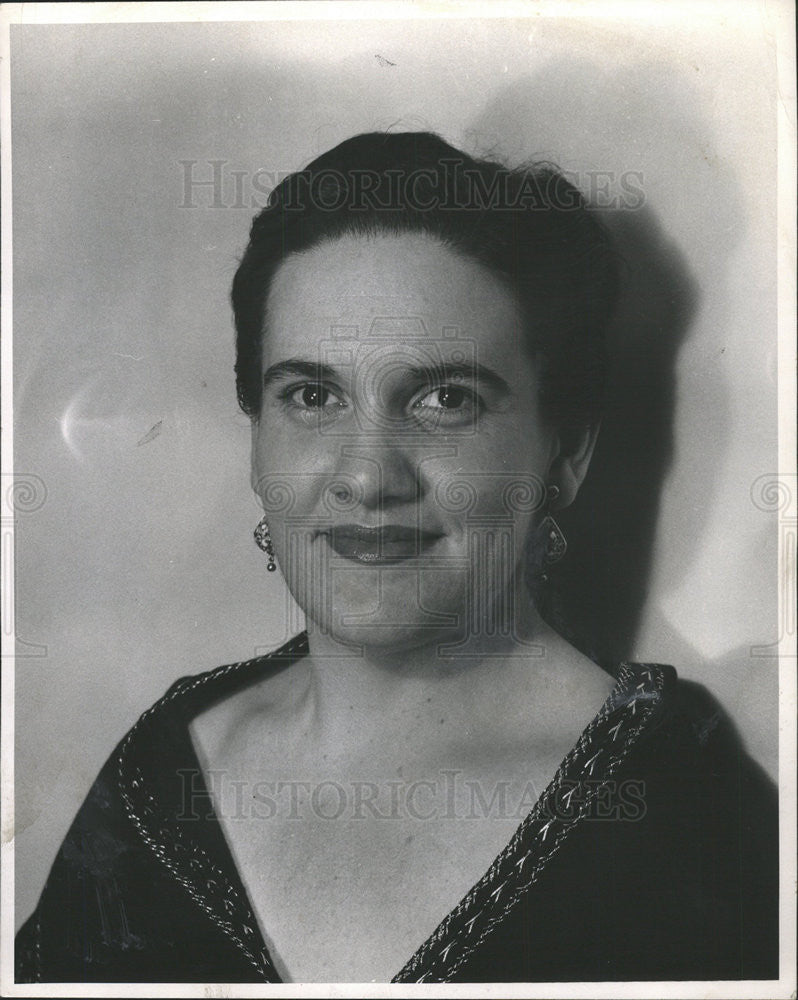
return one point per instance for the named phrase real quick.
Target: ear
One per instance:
(569, 468)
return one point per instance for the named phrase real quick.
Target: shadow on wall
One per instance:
(602, 588)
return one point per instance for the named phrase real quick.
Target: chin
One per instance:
(399, 607)
(387, 637)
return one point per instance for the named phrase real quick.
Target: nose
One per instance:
(375, 471)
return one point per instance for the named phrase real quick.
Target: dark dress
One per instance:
(653, 855)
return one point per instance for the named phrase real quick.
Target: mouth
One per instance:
(389, 544)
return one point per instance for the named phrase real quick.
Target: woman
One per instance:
(430, 784)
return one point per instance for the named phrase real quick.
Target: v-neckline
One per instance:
(206, 868)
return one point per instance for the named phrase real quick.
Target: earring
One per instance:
(263, 539)
(554, 546)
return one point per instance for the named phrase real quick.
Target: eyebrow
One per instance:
(318, 371)
(460, 370)
(293, 367)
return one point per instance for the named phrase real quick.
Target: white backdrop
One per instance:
(135, 562)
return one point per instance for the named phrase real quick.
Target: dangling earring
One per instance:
(554, 545)
(264, 542)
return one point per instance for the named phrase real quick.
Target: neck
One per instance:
(403, 686)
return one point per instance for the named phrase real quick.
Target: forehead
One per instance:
(407, 287)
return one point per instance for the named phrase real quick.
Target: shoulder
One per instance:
(195, 692)
(691, 755)
(231, 724)
(677, 878)
(95, 912)
(710, 831)
(160, 730)
(696, 741)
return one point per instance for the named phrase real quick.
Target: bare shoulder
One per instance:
(271, 701)
(557, 694)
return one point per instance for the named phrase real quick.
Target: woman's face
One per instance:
(400, 453)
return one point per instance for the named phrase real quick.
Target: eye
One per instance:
(449, 404)
(445, 397)
(313, 396)
(312, 400)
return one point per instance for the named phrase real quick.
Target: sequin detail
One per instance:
(606, 742)
(627, 713)
(204, 881)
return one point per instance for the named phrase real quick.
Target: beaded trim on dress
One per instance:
(631, 708)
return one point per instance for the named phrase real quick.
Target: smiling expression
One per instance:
(400, 453)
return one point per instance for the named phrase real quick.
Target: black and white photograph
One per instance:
(399, 499)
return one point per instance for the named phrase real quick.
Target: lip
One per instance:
(384, 545)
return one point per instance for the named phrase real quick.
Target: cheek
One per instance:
(288, 476)
(491, 483)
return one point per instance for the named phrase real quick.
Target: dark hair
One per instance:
(531, 227)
